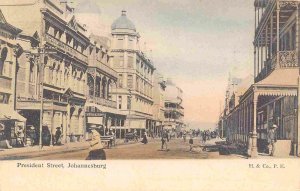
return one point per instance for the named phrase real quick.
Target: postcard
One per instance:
(149, 95)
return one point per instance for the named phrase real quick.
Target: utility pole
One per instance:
(129, 106)
(41, 94)
(40, 54)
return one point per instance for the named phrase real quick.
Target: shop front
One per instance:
(12, 128)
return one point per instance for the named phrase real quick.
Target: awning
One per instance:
(104, 109)
(7, 113)
(95, 120)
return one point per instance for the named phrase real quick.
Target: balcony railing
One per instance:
(283, 59)
(56, 43)
(107, 69)
(103, 102)
(287, 59)
(168, 109)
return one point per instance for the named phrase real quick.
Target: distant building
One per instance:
(101, 106)
(135, 74)
(174, 111)
(159, 88)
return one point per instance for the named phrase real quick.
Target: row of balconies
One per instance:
(66, 48)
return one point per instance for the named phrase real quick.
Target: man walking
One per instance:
(272, 139)
(164, 139)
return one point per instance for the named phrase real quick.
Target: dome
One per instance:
(123, 23)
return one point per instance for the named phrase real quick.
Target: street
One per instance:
(178, 149)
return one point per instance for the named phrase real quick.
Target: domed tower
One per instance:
(124, 33)
(135, 76)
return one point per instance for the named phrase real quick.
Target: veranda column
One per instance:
(278, 36)
(254, 152)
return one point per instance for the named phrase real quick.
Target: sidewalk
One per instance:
(46, 150)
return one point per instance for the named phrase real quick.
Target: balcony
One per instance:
(66, 48)
(106, 69)
(283, 59)
(175, 110)
(103, 102)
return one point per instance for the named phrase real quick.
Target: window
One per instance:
(130, 62)
(2, 59)
(121, 61)
(130, 81)
(131, 42)
(31, 72)
(120, 102)
(120, 43)
(120, 80)
(128, 102)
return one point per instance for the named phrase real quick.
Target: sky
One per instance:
(197, 43)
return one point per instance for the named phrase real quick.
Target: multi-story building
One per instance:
(101, 107)
(10, 52)
(159, 88)
(273, 98)
(174, 111)
(52, 82)
(135, 76)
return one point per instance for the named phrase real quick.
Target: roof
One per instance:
(123, 23)
(281, 77)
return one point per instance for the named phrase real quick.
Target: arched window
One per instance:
(2, 59)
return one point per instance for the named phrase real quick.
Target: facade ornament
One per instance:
(288, 4)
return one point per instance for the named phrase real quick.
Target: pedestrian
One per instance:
(57, 136)
(20, 136)
(96, 147)
(110, 134)
(191, 142)
(184, 136)
(145, 140)
(164, 138)
(136, 139)
(203, 137)
(272, 138)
